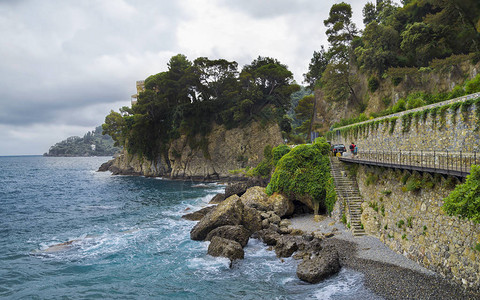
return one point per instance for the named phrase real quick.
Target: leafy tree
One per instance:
(304, 112)
(369, 13)
(317, 66)
(114, 126)
(380, 47)
(217, 79)
(337, 79)
(338, 82)
(341, 31)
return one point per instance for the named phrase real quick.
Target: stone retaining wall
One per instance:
(444, 131)
(414, 224)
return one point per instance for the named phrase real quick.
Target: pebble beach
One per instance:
(388, 274)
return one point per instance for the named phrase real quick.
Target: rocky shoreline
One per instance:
(247, 212)
(322, 248)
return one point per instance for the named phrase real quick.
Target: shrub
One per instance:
(415, 102)
(305, 172)
(373, 84)
(464, 200)
(373, 205)
(278, 152)
(413, 184)
(473, 86)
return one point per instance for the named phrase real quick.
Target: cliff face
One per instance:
(227, 150)
(433, 79)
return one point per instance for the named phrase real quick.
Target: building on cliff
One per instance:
(140, 88)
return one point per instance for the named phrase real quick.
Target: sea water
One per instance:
(69, 232)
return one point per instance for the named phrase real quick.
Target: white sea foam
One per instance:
(208, 264)
(343, 284)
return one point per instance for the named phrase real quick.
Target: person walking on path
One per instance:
(352, 148)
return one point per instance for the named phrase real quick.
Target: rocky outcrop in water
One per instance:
(236, 233)
(199, 214)
(229, 212)
(319, 266)
(226, 150)
(226, 248)
(229, 226)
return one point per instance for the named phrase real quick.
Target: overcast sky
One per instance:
(65, 64)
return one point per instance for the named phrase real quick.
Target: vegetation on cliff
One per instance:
(91, 144)
(188, 97)
(304, 172)
(464, 201)
(399, 43)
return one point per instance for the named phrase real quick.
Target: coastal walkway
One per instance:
(348, 196)
(442, 162)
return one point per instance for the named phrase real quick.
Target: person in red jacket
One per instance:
(352, 148)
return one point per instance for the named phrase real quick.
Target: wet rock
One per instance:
(319, 267)
(265, 223)
(105, 166)
(284, 230)
(236, 233)
(285, 247)
(226, 248)
(269, 236)
(217, 199)
(281, 205)
(285, 223)
(229, 212)
(274, 219)
(199, 214)
(238, 189)
(255, 197)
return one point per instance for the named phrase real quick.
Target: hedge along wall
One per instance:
(452, 125)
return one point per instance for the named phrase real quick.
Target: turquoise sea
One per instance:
(124, 239)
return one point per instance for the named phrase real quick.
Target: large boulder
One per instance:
(256, 197)
(226, 248)
(281, 205)
(229, 212)
(236, 233)
(286, 246)
(318, 267)
(199, 214)
(269, 236)
(238, 189)
(217, 199)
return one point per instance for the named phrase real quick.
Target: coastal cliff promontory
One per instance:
(226, 150)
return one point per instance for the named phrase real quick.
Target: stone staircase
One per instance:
(348, 195)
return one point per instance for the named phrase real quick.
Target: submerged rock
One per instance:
(226, 248)
(199, 214)
(320, 266)
(236, 233)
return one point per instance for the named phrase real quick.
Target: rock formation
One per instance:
(226, 150)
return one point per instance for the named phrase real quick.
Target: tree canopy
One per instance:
(190, 96)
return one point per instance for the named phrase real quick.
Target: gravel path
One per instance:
(387, 273)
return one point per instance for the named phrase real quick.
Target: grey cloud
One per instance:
(273, 8)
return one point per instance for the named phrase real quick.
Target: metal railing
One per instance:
(445, 162)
